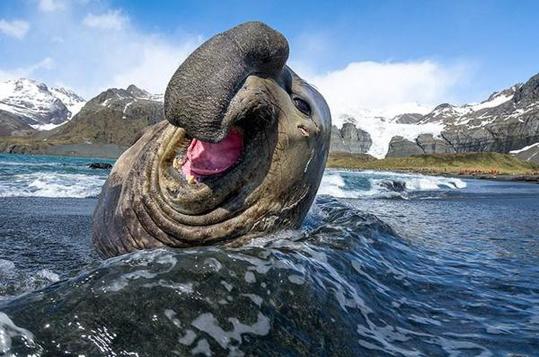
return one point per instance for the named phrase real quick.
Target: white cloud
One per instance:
(127, 56)
(154, 62)
(82, 54)
(388, 88)
(14, 28)
(374, 92)
(50, 5)
(110, 20)
(46, 63)
(57, 39)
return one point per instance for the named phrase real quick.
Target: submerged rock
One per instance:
(394, 185)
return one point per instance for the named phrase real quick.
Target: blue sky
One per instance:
(499, 36)
(421, 52)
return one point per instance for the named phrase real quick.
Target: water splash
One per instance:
(374, 184)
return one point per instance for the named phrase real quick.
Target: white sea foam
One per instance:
(26, 164)
(48, 275)
(47, 184)
(7, 268)
(332, 185)
(383, 184)
(15, 281)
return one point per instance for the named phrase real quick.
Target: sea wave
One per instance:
(51, 184)
(15, 281)
(22, 163)
(71, 178)
(340, 184)
(372, 184)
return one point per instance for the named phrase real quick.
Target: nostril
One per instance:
(303, 130)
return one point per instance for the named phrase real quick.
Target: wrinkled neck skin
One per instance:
(149, 201)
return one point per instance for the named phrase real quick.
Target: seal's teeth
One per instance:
(177, 164)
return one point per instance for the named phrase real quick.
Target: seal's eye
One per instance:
(302, 106)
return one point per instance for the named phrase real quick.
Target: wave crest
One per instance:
(52, 184)
(371, 184)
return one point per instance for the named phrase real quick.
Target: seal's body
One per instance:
(242, 152)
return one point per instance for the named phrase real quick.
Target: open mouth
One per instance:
(204, 159)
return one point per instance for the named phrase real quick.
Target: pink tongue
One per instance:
(204, 159)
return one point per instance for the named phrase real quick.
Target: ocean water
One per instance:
(385, 264)
(49, 176)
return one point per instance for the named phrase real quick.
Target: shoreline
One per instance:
(501, 177)
(477, 165)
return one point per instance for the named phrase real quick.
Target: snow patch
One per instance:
(525, 148)
(71, 100)
(127, 106)
(43, 127)
(494, 102)
(382, 130)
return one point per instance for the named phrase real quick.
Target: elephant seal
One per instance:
(242, 152)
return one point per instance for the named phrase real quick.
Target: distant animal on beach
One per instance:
(242, 152)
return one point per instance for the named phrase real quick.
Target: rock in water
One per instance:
(100, 165)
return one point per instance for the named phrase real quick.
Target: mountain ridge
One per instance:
(104, 127)
(28, 105)
(506, 122)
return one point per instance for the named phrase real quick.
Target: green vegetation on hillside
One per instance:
(484, 163)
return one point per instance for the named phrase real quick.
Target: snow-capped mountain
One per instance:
(463, 115)
(71, 100)
(25, 102)
(139, 93)
(507, 121)
(104, 127)
(125, 99)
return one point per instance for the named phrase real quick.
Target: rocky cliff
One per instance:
(349, 139)
(528, 153)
